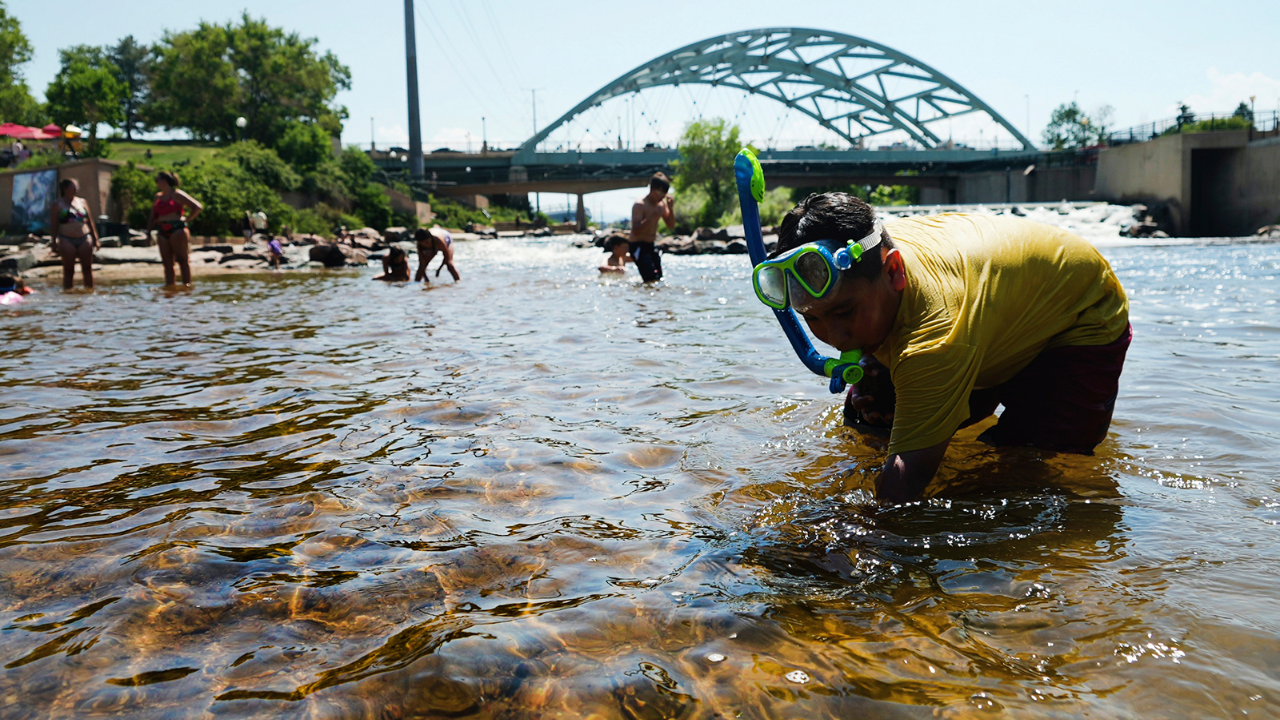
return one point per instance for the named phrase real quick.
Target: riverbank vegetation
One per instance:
(706, 195)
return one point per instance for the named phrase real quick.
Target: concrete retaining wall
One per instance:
(1212, 183)
(1016, 186)
(93, 175)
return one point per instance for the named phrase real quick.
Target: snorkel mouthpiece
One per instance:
(842, 370)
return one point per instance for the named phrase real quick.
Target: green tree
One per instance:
(1068, 128)
(1243, 111)
(205, 78)
(707, 150)
(132, 63)
(16, 103)
(86, 91)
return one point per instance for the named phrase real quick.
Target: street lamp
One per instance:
(241, 124)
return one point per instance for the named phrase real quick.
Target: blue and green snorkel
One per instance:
(842, 371)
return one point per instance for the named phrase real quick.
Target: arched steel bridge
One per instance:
(851, 86)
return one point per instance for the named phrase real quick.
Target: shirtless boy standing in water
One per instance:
(645, 215)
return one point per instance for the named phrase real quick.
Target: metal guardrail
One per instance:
(1263, 122)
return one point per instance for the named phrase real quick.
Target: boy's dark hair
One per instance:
(397, 254)
(420, 235)
(833, 216)
(169, 177)
(659, 182)
(8, 281)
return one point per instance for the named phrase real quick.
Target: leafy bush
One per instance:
(373, 206)
(42, 158)
(262, 163)
(132, 189)
(304, 146)
(1228, 123)
(226, 190)
(324, 220)
(777, 203)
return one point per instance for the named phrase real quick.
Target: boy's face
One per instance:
(620, 249)
(861, 315)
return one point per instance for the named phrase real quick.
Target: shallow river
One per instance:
(540, 494)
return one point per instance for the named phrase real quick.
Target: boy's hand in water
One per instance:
(871, 400)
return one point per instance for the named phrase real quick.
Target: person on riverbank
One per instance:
(246, 227)
(958, 314)
(395, 266)
(259, 222)
(619, 250)
(276, 251)
(430, 242)
(170, 224)
(75, 237)
(645, 214)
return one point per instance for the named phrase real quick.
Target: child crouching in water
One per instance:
(12, 290)
(955, 315)
(621, 255)
(395, 266)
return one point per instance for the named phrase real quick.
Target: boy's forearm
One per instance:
(906, 475)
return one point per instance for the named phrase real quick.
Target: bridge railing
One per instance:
(1262, 124)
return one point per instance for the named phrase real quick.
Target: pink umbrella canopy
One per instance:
(52, 129)
(22, 132)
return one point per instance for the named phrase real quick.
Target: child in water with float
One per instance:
(940, 319)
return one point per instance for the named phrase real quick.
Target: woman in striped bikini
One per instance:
(75, 236)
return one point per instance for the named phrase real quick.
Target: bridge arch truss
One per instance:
(851, 86)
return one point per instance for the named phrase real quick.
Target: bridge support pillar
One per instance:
(582, 214)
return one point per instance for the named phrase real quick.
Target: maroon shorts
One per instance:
(1062, 401)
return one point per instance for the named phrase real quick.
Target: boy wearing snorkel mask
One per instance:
(955, 314)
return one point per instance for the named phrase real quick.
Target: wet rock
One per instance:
(216, 248)
(18, 262)
(710, 247)
(228, 257)
(328, 255)
(123, 255)
(396, 234)
(704, 233)
(678, 246)
(1142, 229)
(337, 255)
(110, 242)
(737, 246)
(770, 242)
(735, 231)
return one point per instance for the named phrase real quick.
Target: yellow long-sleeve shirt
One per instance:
(985, 295)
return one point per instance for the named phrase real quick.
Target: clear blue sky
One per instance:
(479, 58)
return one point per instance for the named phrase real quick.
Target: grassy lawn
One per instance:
(162, 153)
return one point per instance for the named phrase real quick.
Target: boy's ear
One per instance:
(893, 267)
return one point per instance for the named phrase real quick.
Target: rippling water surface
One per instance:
(541, 494)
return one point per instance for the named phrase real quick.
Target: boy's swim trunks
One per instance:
(1062, 401)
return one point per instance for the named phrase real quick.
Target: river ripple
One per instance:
(540, 494)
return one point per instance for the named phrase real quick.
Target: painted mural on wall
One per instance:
(33, 195)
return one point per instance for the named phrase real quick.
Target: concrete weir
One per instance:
(1209, 183)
